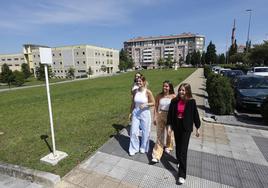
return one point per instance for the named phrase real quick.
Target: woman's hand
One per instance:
(197, 134)
(142, 106)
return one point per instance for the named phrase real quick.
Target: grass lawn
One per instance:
(32, 81)
(85, 114)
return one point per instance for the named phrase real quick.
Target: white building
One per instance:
(146, 51)
(79, 57)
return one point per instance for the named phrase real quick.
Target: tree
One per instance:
(125, 62)
(203, 58)
(160, 62)
(221, 59)
(168, 61)
(90, 71)
(238, 57)
(6, 76)
(233, 49)
(71, 72)
(188, 58)
(259, 54)
(103, 68)
(25, 70)
(211, 56)
(19, 78)
(196, 58)
(40, 72)
(180, 61)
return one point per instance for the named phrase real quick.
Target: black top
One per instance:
(190, 114)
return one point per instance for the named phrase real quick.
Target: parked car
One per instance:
(215, 68)
(261, 71)
(250, 91)
(222, 71)
(233, 73)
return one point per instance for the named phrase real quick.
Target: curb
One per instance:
(44, 178)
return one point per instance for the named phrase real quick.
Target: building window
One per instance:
(76, 53)
(61, 71)
(54, 63)
(60, 63)
(9, 59)
(34, 63)
(60, 54)
(83, 53)
(17, 65)
(22, 58)
(53, 55)
(55, 71)
(34, 55)
(84, 62)
(77, 62)
(38, 55)
(3, 59)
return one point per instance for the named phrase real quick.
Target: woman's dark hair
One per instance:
(188, 90)
(171, 88)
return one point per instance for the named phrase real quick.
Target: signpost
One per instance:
(54, 157)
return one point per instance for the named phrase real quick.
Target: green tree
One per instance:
(180, 61)
(211, 56)
(196, 58)
(259, 54)
(188, 58)
(25, 70)
(238, 57)
(168, 61)
(125, 62)
(203, 58)
(70, 73)
(19, 78)
(6, 75)
(160, 62)
(221, 59)
(40, 72)
(233, 49)
(90, 71)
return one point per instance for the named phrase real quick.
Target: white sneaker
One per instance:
(181, 180)
(142, 151)
(167, 150)
(131, 154)
(155, 160)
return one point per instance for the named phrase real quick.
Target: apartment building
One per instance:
(146, 51)
(81, 58)
(14, 61)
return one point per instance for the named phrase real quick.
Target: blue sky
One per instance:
(109, 23)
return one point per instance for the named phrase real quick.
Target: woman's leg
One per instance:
(134, 144)
(159, 145)
(185, 137)
(145, 126)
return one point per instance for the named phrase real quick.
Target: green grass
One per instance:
(30, 82)
(85, 114)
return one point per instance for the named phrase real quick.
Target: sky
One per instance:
(108, 23)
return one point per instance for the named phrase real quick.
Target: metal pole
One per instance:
(50, 111)
(247, 47)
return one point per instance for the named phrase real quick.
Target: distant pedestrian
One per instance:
(162, 102)
(141, 117)
(182, 115)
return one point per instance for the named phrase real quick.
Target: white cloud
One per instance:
(33, 13)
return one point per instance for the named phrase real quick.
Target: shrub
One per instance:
(220, 95)
(207, 71)
(264, 110)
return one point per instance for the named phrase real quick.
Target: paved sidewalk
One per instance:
(223, 156)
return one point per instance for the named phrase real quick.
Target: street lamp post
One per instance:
(247, 44)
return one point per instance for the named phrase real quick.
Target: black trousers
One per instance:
(182, 138)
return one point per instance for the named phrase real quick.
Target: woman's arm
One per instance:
(196, 117)
(156, 107)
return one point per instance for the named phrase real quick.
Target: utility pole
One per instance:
(248, 42)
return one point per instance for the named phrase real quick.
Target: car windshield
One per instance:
(253, 83)
(261, 69)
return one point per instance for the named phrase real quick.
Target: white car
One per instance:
(221, 71)
(261, 71)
